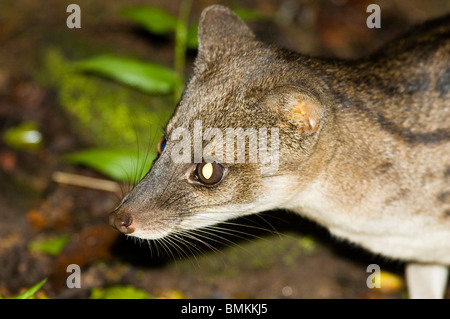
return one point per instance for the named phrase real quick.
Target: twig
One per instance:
(84, 181)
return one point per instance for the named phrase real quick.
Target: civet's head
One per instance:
(239, 140)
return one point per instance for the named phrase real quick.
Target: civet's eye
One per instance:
(209, 173)
(161, 144)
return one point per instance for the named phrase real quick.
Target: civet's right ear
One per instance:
(219, 31)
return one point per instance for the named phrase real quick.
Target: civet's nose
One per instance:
(123, 222)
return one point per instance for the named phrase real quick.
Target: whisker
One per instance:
(175, 237)
(166, 202)
(196, 236)
(149, 243)
(227, 231)
(204, 233)
(191, 235)
(191, 246)
(253, 227)
(164, 245)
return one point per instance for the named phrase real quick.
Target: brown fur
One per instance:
(368, 156)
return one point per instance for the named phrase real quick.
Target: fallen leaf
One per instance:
(36, 219)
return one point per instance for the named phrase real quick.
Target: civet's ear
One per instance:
(219, 31)
(296, 107)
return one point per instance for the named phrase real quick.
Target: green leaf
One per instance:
(24, 136)
(119, 292)
(192, 36)
(248, 14)
(31, 291)
(154, 20)
(50, 246)
(148, 77)
(122, 165)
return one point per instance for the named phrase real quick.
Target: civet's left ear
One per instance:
(296, 107)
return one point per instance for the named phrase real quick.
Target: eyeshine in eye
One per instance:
(161, 144)
(209, 173)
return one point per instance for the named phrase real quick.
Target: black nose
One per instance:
(123, 222)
